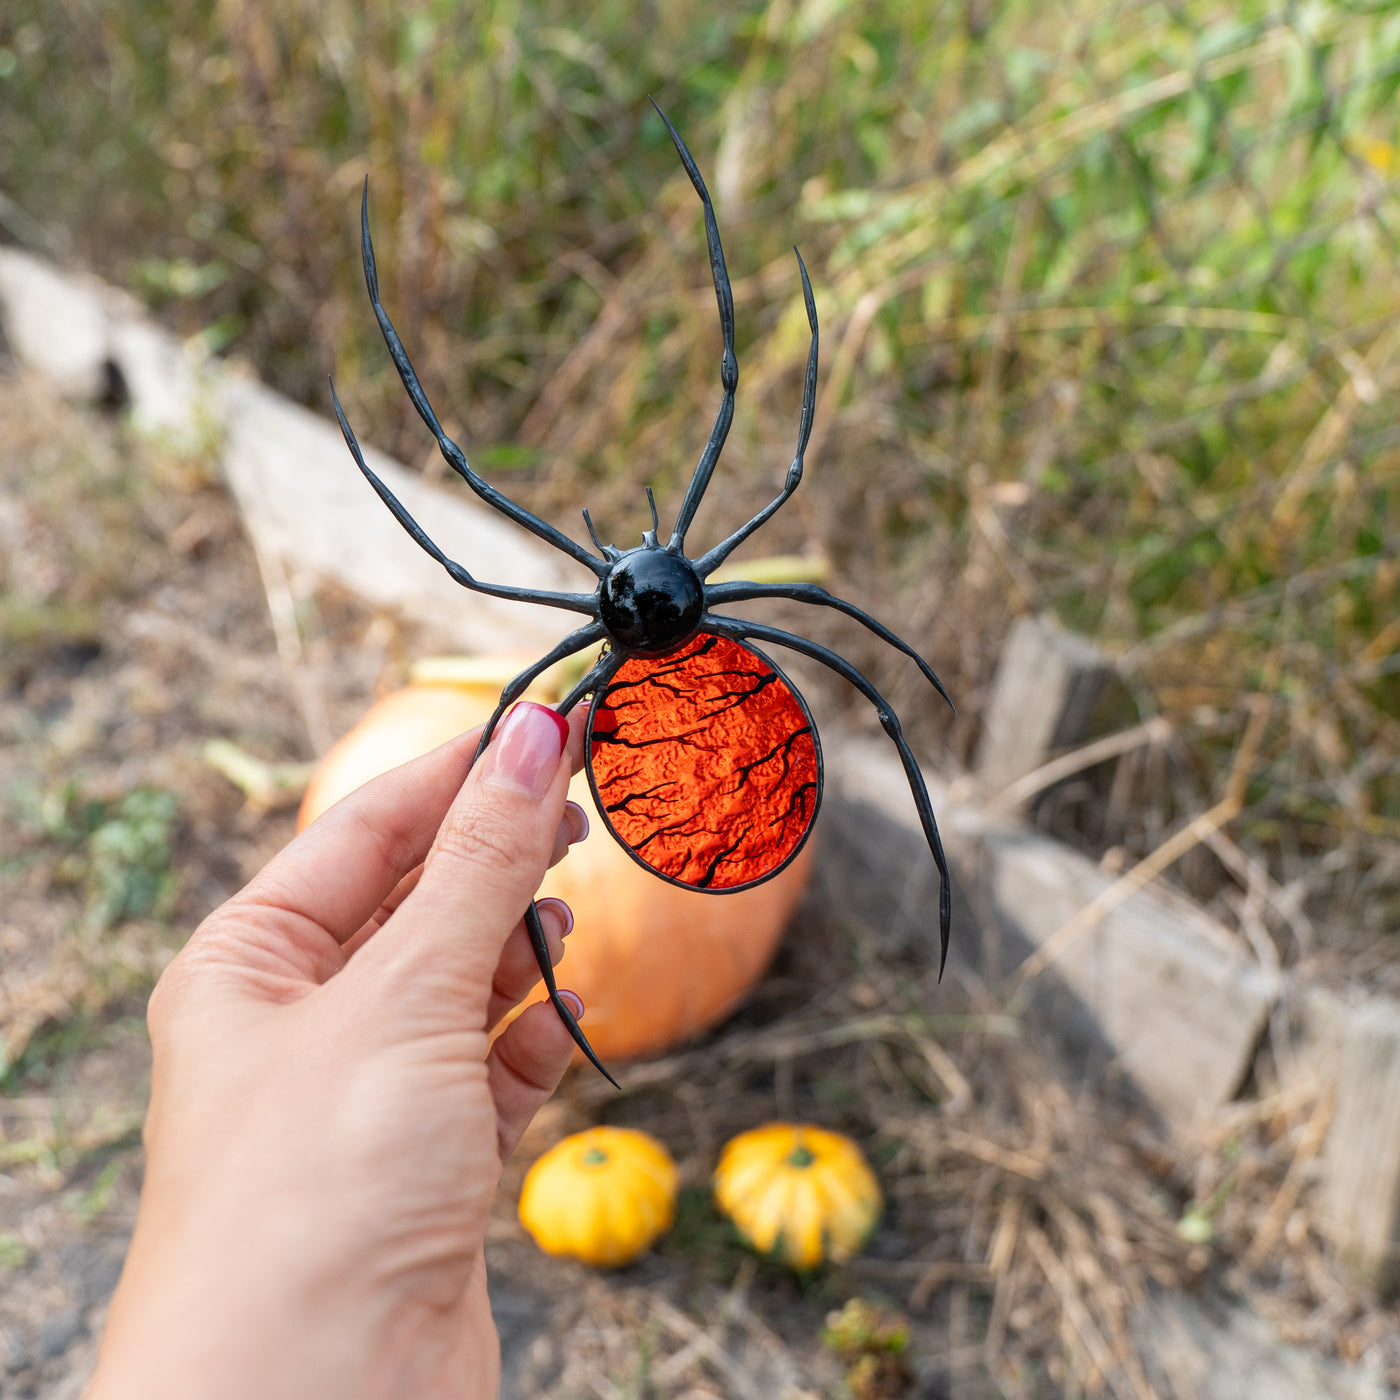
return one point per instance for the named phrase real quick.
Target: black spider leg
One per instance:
(738, 591)
(540, 945)
(741, 630)
(599, 674)
(454, 455)
(575, 641)
(710, 561)
(728, 364)
(573, 602)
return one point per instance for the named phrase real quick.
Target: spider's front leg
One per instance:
(741, 630)
(597, 675)
(728, 364)
(515, 688)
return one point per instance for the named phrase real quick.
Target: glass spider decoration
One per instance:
(702, 757)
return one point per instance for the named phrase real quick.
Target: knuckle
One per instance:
(393, 849)
(171, 993)
(487, 843)
(158, 1005)
(185, 980)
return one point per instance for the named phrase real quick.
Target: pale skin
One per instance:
(328, 1113)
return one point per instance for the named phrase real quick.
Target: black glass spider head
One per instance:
(702, 757)
(651, 601)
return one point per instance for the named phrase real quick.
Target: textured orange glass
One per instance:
(705, 764)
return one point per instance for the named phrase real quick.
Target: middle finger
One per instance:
(517, 970)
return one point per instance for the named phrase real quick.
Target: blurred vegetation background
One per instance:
(1109, 302)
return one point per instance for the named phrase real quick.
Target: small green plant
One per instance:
(14, 1253)
(873, 1341)
(86, 1206)
(129, 854)
(120, 850)
(44, 1054)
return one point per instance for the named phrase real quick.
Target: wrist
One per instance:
(202, 1314)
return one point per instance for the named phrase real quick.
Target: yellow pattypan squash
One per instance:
(799, 1193)
(603, 1196)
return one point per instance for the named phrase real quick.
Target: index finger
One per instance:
(340, 870)
(485, 865)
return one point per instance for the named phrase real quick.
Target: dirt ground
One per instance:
(1026, 1226)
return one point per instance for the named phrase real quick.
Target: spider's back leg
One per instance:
(737, 628)
(739, 591)
(574, 642)
(597, 675)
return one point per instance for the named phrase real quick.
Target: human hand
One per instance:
(328, 1117)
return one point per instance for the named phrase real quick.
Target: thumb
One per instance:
(485, 865)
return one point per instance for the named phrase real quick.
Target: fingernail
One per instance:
(525, 753)
(575, 1003)
(580, 821)
(561, 913)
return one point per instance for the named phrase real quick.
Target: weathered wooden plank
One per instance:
(309, 511)
(1157, 992)
(1217, 1349)
(1360, 1194)
(56, 324)
(1178, 1004)
(170, 390)
(1047, 682)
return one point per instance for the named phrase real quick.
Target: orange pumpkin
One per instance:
(654, 963)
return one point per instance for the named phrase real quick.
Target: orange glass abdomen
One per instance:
(705, 764)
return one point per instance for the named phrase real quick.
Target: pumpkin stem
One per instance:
(594, 1157)
(776, 568)
(801, 1156)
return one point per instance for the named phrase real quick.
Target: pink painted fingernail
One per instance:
(575, 1003)
(580, 820)
(524, 755)
(561, 912)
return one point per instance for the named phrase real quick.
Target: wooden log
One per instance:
(56, 324)
(1360, 1196)
(1215, 1348)
(1157, 993)
(1047, 682)
(311, 515)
